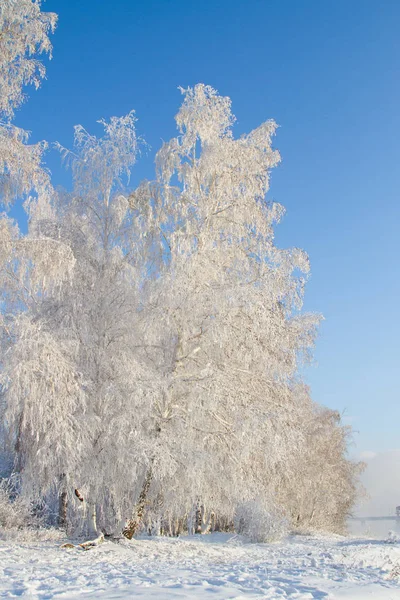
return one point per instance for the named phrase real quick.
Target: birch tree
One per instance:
(30, 266)
(92, 320)
(229, 304)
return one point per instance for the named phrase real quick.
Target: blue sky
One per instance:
(328, 73)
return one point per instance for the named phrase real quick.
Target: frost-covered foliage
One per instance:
(16, 512)
(20, 518)
(28, 264)
(24, 34)
(321, 484)
(21, 171)
(152, 342)
(260, 521)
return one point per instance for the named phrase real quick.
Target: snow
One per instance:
(214, 567)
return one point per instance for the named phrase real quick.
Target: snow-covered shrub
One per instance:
(15, 511)
(20, 520)
(393, 538)
(260, 521)
(30, 535)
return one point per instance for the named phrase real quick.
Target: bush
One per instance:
(260, 521)
(20, 519)
(15, 511)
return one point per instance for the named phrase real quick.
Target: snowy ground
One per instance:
(203, 567)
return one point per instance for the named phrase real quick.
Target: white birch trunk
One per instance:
(92, 520)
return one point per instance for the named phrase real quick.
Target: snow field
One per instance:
(218, 566)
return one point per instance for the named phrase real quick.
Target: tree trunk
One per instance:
(133, 524)
(88, 517)
(62, 502)
(62, 509)
(92, 520)
(203, 524)
(209, 523)
(198, 517)
(18, 444)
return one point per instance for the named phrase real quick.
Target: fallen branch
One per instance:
(85, 545)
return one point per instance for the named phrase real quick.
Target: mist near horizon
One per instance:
(381, 480)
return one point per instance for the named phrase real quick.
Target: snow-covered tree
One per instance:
(229, 336)
(319, 486)
(30, 266)
(90, 382)
(163, 370)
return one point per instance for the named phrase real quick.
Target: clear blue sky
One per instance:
(328, 73)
